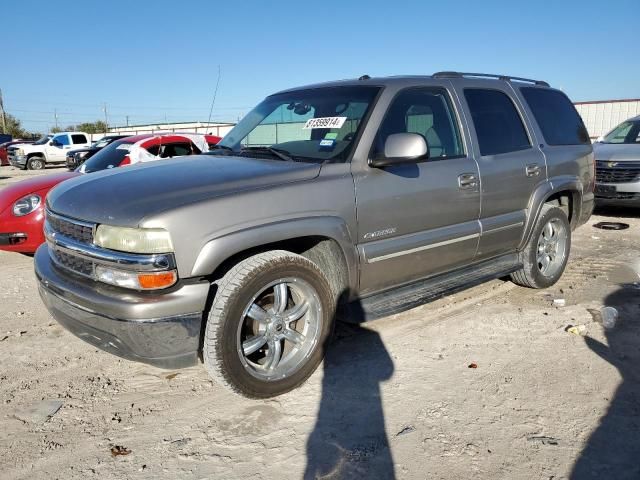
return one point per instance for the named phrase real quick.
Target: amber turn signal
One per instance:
(152, 281)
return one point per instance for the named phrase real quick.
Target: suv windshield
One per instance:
(109, 157)
(626, 132)
(317, 124)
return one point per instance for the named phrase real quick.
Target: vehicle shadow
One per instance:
(614, 211)
(613, 450)
(349, 439)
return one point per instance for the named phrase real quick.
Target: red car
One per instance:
(22, 203)
(4, 161)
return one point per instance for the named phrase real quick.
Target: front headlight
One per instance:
(134, 240)
(19, 151)
(26, 205)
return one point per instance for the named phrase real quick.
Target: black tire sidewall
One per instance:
(226, 349)
(540, 280)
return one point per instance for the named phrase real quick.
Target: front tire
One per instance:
(545, 256)
(269, 323)
(35, 163)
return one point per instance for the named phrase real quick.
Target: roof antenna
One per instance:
(215, 93)
(364, 77)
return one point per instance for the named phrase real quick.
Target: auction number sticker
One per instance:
(324, 122)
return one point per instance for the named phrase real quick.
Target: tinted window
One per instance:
(556, 116)
(427, 112)
(61, 139)
(76, 138)
(109, 157)
(498, 125)
(177, 150)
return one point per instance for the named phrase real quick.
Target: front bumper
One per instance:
(18, 160)
(160, 329)
(627, 193)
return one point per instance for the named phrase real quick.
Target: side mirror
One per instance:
(402, 148)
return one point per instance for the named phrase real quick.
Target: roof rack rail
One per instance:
(506, 78)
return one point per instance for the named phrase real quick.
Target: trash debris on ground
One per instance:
(611, 225)
(473, 365)
(171, 376)
(559, 302)
(405, 430)
(117, 450)
(40, 412)
(543, 439)
(4, 338)
(576, 329)
(609, 317)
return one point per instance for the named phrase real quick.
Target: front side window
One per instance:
(556, 116)
(318, 124)
(61, 139)
(498, 125)
(427, 112)
(626, 132)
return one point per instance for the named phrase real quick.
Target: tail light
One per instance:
(125, 161)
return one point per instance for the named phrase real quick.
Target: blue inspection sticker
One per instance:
(327, 142)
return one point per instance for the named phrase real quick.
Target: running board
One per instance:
(415, 294)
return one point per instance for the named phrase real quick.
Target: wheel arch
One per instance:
(324, 240)
(565, 192)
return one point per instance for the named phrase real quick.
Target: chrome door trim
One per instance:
(424, 247)
(504, 227)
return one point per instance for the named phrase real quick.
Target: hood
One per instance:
(125, 196)
(616, 151)
(17, 190)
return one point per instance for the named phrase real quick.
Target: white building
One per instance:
(211, 128)
(601, 116)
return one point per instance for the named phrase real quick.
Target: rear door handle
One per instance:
(467, 181)
(532, 170)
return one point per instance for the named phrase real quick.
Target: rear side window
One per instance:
(498, 125)
(76, 138)
(109, 157)
(556, 116)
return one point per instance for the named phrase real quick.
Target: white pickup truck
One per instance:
(37, 155)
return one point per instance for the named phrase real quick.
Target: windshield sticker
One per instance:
(324, 122)
(124, 146)
(327, 143)
(331, 136)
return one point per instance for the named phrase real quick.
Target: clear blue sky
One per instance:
(152, 60)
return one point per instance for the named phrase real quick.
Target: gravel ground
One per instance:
(483, 384)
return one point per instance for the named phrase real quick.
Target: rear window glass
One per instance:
(556, 116)
(76, 138)
(109, 157)
(498, 125)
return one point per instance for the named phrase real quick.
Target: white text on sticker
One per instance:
(324, 122)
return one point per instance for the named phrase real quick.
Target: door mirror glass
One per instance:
(402, 148)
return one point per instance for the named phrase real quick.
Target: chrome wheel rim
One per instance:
(279, 329)
(36, 164)
(552, 248)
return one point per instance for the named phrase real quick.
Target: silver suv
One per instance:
(618, 165)
(356, 198)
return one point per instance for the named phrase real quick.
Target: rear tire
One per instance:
(545, 256)
(35, 163)
(251, 344)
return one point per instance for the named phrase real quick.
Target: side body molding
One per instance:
(543, 192)
(221, 248)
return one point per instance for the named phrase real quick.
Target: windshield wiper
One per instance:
(278, 152)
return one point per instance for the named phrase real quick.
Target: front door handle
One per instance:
(467, 181)
(532, 170)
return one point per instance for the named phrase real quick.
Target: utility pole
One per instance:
(3, 118)
(55, 116)
(127, 120)
(106, 121)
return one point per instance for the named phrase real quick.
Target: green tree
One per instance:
(56, 130)
(14, 127)
(91, 127)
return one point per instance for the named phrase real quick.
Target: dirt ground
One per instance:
(483, 384)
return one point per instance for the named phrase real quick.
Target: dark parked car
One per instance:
(77, 157)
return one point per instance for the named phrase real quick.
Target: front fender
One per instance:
(220, 249)
(546, 190)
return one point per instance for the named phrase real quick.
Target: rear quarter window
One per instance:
(76, 138)
(557, 117)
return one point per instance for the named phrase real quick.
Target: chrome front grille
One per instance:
(617, 172)
(79, 231)
(74, 263)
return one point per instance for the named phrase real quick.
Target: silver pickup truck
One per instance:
(354, 198)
